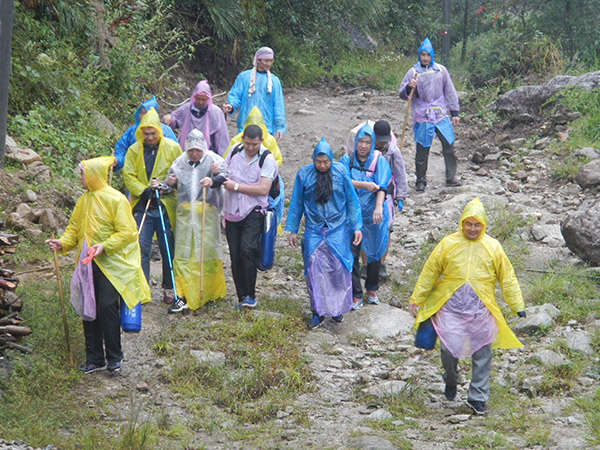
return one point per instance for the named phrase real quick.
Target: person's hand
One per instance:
(413, 308)
(154, 184)
(214, 168)
(99, 248)
(357, 237)
(455, 120)
(372, 187)
(167, 119)
(378, 215)
(399, 204)
(206, 182)
(54, 244)
(521, 314)
(172, 180)
(278, 135)
(229, 184)
(413, 83)
(114, 164)
(293, 240)
(227, 108)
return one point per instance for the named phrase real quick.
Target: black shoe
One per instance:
(115, 367)
(91, 368)
(315, 322)
(178, 305)
(383, 273)
(420, 187)
(454, 182)
(338, 319)
(478, 407)
(450, 392)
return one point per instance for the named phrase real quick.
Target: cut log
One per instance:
(15, 330)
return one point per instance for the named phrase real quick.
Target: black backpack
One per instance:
(275, 189)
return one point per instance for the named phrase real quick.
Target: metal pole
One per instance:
(6, 18)
(446, 32)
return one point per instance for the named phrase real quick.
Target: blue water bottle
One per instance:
(131, 319)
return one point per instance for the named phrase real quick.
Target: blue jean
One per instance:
(153, 224)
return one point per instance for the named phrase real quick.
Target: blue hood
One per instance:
(150, 103)
(426, 46)
(323, 148)
(365, 130)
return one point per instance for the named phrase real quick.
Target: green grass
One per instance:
(590, 406)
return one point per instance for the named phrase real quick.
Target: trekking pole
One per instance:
(144, 216)
(164, 230)
(62, 306)
(202, 244)
(110, 175)
(412, 91)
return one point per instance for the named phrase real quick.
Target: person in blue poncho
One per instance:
(434, 97)
(371, 174)
(258, 87)
(324, 194)
(128, 138)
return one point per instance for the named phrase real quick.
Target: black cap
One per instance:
(382, 131)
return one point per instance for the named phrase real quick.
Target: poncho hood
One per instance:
(150, 119)
(365, 130)
(426, 46)
(323, 148)
(202, 88)
(474, 209)
(147, 105)
(195, 139)
(256, 118)
(95, 172)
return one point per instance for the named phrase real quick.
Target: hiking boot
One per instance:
(363, 272)
(356, 303)
(91, 368)
(383, 273)
(372, 298)
(114, 367)
(454, 182)
(450, 392)
(168, 296)
(248, 302)
(420, 187)
(477, 406)
(178, 305)
(338, 319)
(315, 322)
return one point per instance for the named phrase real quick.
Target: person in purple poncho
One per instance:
(324, 194)
(434, 95)
(199, 113)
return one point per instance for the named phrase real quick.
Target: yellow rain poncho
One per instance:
(102, 215)
(457, 260)
(134, 169)
(256, 118)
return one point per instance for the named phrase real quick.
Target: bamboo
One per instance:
(406, 115)
(202, 244)
(62, 306)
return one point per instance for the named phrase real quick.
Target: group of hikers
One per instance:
(185, 189)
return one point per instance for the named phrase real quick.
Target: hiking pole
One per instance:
(144, 216)
(62, 305)
(110, 174)
(412, 91)
(202, 244)
(164, 230)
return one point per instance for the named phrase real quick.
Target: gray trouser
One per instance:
(422, 157)
(479, 388)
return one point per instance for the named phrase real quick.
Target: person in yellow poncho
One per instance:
(256, 118)
(146, 163)
(456, 290)
(102, 221)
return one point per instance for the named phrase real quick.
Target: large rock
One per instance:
(581, 231)
(370, 443)
(48, 220)
(529, 99)
(21, 155)
(589, 174)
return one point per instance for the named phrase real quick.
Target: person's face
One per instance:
(322, 163)
(150, 135)
(264, 65)
(82, 179)
(425, 58)
(142, 113)
(251, 146)
(472, 228)
(363, 147)
(200, 101)
(195, 154)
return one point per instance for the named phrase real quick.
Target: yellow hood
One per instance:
(95, 172)
(474, 209)
(150, 119)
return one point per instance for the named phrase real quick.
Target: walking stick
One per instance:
(412, 91)
(110, 174)
(144, 216)
(62, 306)
(202, 244)
(164, 230)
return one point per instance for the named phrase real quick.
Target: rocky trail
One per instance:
(371, 354)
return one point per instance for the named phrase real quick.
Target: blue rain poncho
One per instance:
(435, 95)
(377, 170)
(128, 138)
(270, 105)
(341, 214)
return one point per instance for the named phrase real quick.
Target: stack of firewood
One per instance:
(11, 330)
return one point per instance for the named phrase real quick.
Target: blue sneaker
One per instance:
(356, 303)
(315, 322)
(91, 368)
(338, 319)
(372, 298)
(248, 302)
(114, 367)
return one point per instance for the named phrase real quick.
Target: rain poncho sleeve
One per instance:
(256, 118)
(270, 105)
(457, 260)
(341, 214)
(398, 168)
(102, 216)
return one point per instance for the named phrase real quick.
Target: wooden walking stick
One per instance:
(110, 174)
(144, 216)
(62, 306)
(410, 96)
(202, 244)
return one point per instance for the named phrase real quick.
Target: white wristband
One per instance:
(236, 186)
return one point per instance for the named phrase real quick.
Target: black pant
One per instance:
(422, 156)
(105, 331)
(243, 240)
(372, 282)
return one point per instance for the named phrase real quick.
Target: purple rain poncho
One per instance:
(375, 169)
(328, 231)
(464, 325)
(83, 294)
(212, 123)
(435, 95)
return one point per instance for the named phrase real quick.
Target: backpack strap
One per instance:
(372, 167)
(236, 149)
(263, 156)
